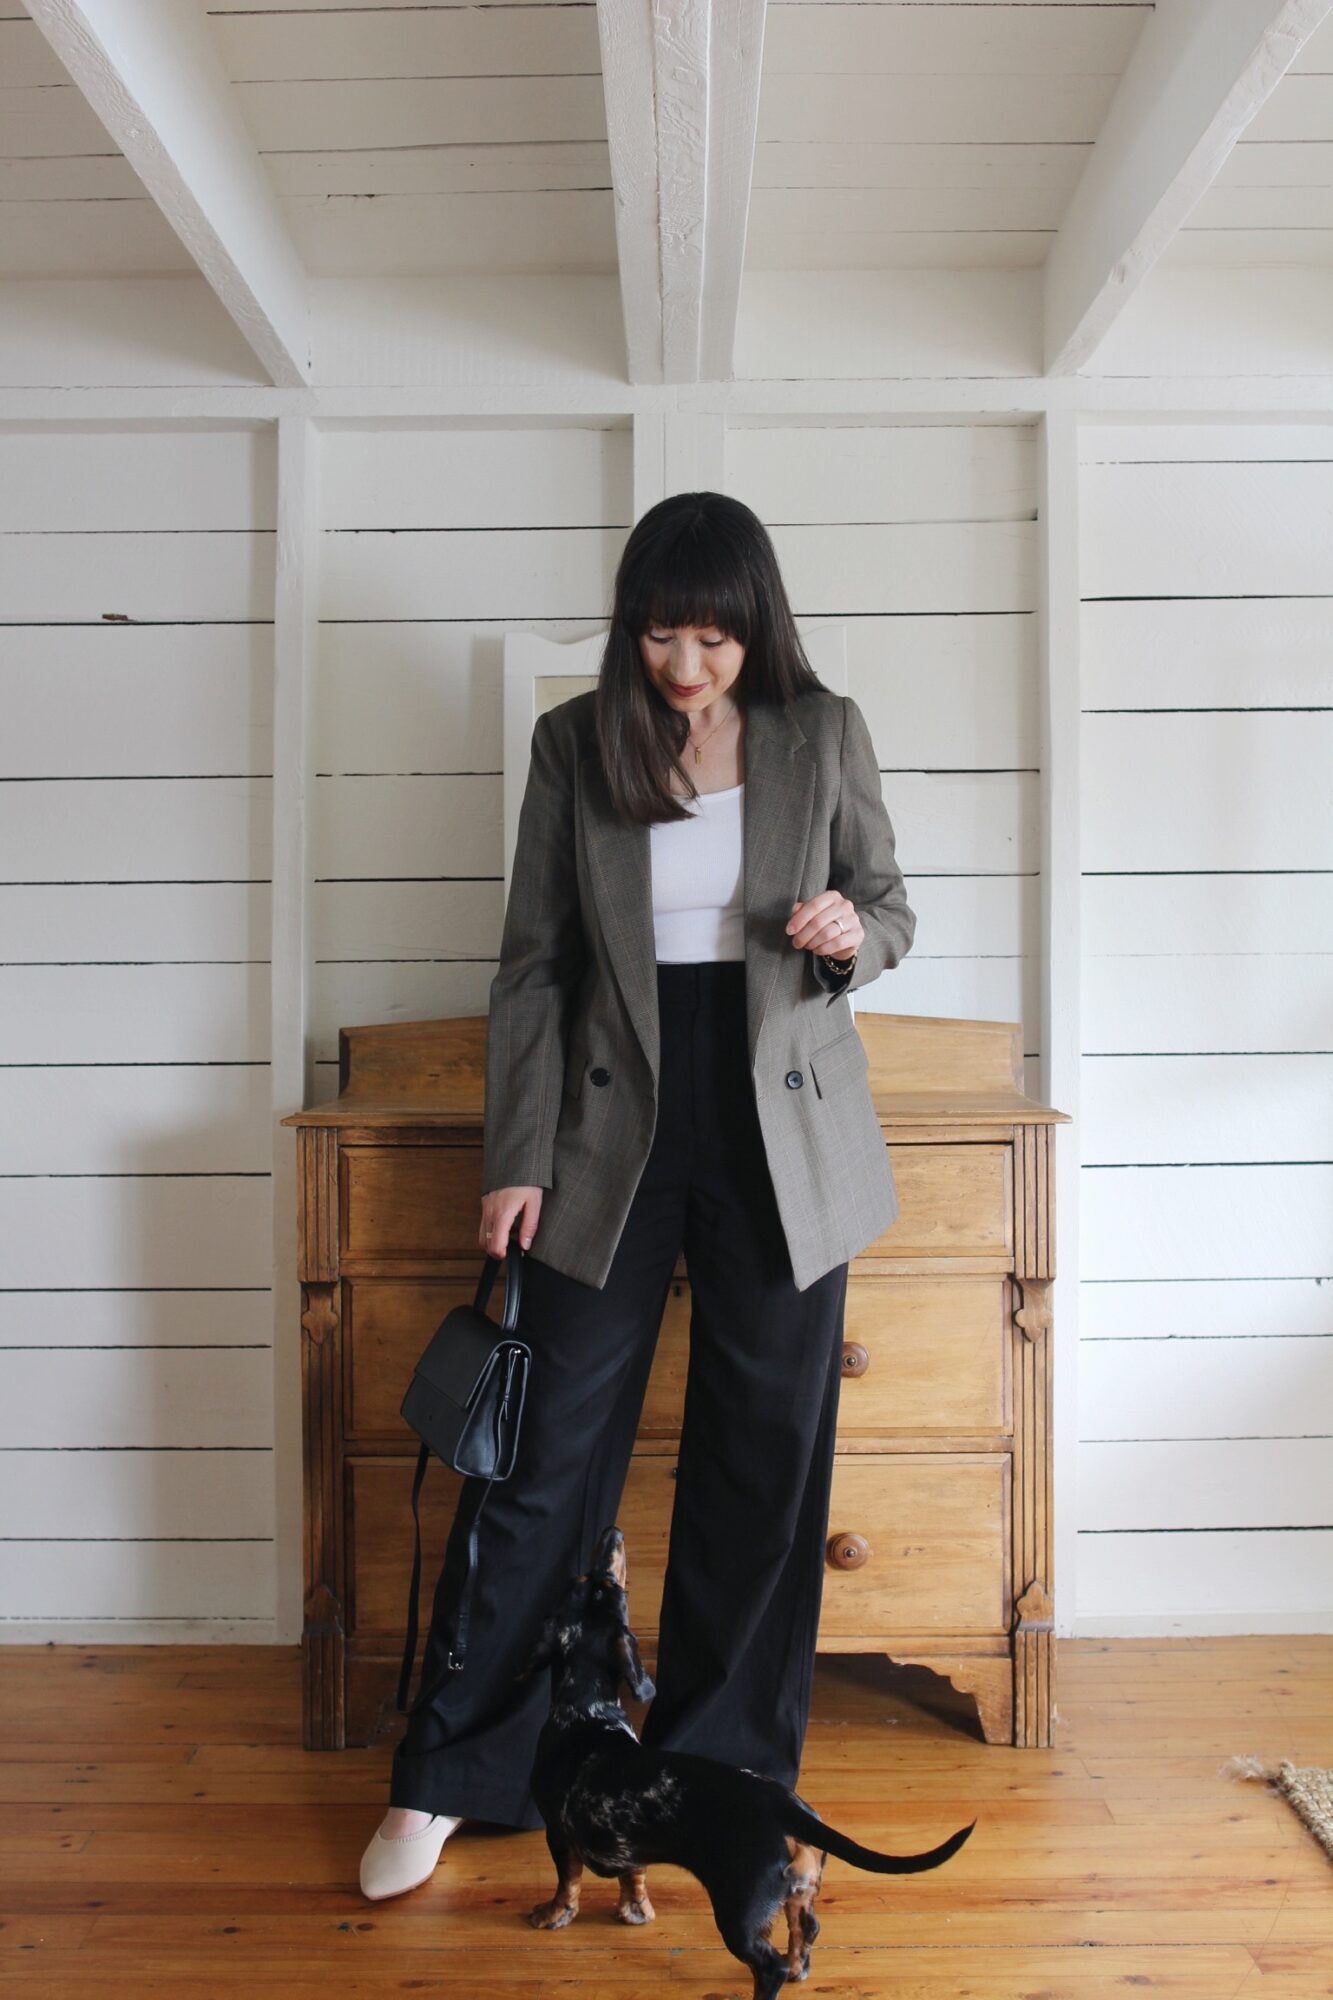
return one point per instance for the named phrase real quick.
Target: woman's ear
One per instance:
(631, 1667)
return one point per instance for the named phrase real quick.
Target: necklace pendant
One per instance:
(698, 756)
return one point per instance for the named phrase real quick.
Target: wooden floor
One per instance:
(163, 1833)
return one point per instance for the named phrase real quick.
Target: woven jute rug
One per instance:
(1306, 1788)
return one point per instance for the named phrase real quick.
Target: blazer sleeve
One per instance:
(862, 865)
(542, 953)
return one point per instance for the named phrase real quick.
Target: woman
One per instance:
(704, 868)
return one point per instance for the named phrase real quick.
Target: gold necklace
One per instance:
(698, 746)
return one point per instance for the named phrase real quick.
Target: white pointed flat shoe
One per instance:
(391, 1867)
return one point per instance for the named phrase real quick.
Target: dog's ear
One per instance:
(631, 1667)
(543, 1649)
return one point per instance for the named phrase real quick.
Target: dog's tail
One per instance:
(819, 1834)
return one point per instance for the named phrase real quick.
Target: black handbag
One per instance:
(465, 1403)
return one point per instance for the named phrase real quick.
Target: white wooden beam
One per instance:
(295, 643)
(1060, 618)
(1199, 72)
(681, 79)
(150, 72)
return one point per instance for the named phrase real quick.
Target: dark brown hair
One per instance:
(693, 559)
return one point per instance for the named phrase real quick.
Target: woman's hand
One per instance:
(498, 1210)
(815, 925)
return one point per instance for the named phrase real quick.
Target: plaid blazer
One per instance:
(572, 1031)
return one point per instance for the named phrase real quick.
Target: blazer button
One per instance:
(600, 1075)
(794, 1079)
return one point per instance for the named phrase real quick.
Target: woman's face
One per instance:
(691, 664)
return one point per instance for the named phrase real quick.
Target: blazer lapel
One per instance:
(778, 801)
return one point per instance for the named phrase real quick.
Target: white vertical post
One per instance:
(295, 635)
(1061, 937)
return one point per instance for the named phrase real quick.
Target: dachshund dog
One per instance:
(610, 1803)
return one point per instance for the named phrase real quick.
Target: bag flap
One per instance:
(459, 1352)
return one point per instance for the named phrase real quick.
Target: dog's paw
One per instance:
(635, 1910)
(552, 1916)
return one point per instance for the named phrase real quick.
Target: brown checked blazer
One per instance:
(572, 1032)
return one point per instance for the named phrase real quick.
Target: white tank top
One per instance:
(698, 867)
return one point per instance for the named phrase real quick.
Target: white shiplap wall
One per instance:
(136, 1419)
(1205, 1462)
(435, 542)
(921, 541)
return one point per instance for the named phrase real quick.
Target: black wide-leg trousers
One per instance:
(745, 1564)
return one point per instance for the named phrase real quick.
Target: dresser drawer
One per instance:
(925, 1355)
(409, 1202)
(936, 1525)
(954, 1201)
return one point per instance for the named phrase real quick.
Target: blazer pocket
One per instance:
(838, 1064)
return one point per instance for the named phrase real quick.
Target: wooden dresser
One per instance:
(939, 1547)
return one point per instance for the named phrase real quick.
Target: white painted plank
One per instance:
(963, 822)
(89, 240)
(104, 830)
(318, 116)
(783, 249)
(966, 989)
(1207, 1003)
(1207, 1222)
(531, 334)
(1168, 1583)
(135, 1013)
(1202, 1108)
(109, 1496)
(125, 1317)
(1231, 1483)
(160, 1580)
(181, 480)
(350, 993)
(1264, 652)
(156, 1230)
(91, 1118)
(888, 40)
(209, 694)
(566, 232)
(430, 697)
(516, 574)
(495, 476)
(1275, 1388)
(1169, 441)
(1207, 791)
(135, 1397)
(474, 168)
(118, 333)
(1190, 530)
(84, 923)
(94, 579)
(477, 41)
(831, 474)
(1206, 1309)
(948, 693)
(908, 566)
(869, 163)
(1173, 916)
(967, 105)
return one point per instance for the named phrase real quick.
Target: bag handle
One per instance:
(454, 1652)
(453, 1660)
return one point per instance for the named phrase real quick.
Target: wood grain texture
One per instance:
(164, 1831)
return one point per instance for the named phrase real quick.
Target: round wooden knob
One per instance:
(847, 1551)
(855, 1358)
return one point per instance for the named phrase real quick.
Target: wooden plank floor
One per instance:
(164, 1833)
